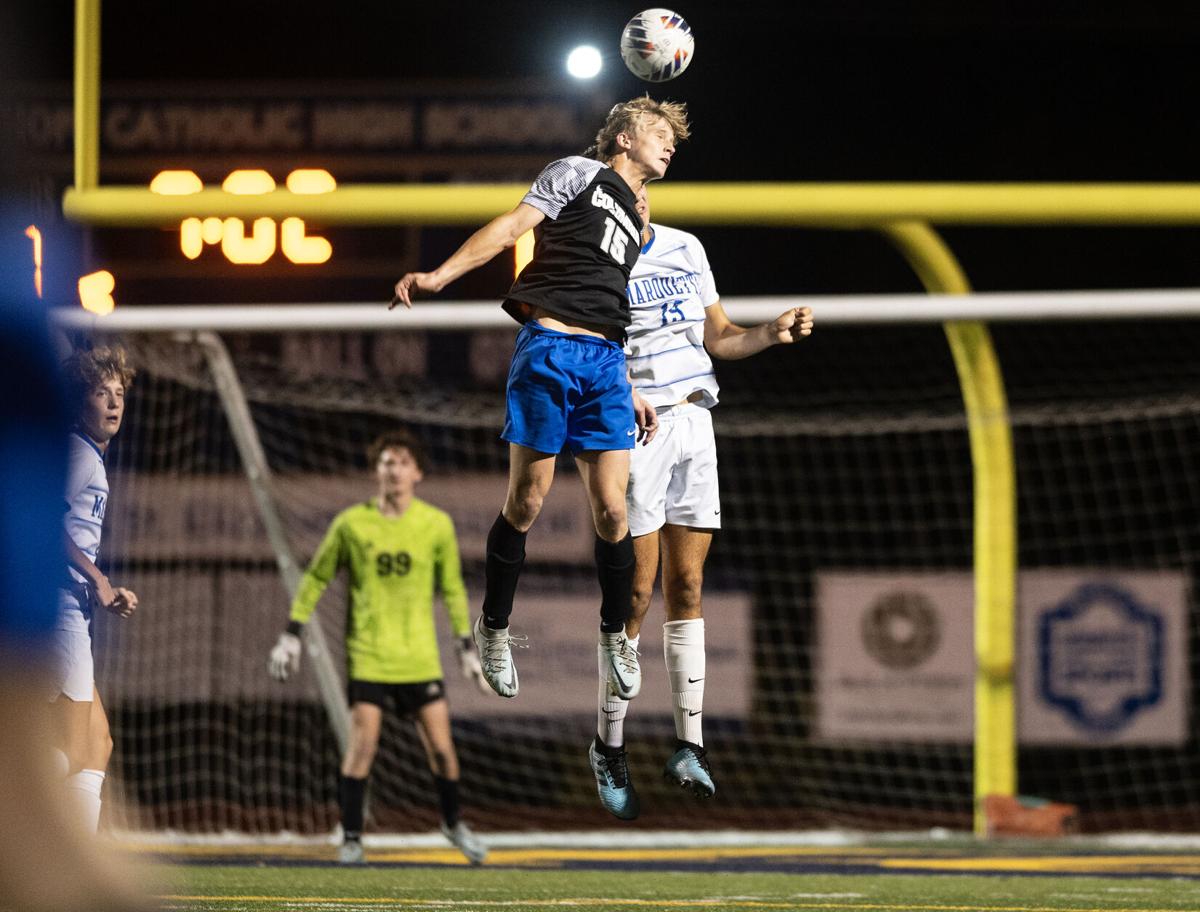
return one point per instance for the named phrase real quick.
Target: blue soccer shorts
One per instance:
(568, 389)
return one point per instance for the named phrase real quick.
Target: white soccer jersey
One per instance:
(669, 289)
(86, 500)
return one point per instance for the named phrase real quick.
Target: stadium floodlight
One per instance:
(584, 62)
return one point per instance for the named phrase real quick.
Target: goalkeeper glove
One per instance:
(468, 663)
(285, 656)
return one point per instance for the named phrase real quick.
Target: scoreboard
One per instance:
(230, 234)
(256, 138)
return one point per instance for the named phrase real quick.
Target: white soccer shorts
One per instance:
(72, 669)
(674, 479)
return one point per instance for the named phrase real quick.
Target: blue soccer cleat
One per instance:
(688, 768)
(613, 783)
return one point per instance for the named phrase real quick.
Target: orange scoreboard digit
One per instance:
(264, 237)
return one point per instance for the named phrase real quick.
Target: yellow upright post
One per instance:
(87, 94)
(995, 516)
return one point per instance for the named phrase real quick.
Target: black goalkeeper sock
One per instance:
(350, 796)
(614, 567)
(505, 558)
(447, 790)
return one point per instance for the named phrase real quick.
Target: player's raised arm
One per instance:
(726, 340)
(499, 234)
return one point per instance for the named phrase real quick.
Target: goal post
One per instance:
(258, 474)
(995, 532)
(814, 579)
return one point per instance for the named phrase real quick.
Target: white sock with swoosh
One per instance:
(683, 651)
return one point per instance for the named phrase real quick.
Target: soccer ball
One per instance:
(657, 45)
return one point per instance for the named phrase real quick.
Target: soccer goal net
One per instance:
(838, 595)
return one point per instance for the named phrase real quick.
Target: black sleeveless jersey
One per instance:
(583, 249)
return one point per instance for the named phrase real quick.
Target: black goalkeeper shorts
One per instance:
(405, 699)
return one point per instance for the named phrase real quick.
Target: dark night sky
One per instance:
(821, 90)
(843, 90)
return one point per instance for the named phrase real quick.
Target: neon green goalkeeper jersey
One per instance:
(395, 564)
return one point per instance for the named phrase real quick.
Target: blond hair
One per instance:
(629, 116)
(84, 371)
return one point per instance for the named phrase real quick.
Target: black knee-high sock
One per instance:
(505, 558)
(350, 795)
(447, 790)
(614, 567)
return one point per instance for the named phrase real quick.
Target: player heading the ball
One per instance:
(568, 384)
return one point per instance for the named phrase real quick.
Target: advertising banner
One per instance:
(1102, 657)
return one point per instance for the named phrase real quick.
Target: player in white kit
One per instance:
(673, 501)
(96, 381)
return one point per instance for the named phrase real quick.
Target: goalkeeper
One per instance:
(397, 550)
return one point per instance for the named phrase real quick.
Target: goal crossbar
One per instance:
(829, 309)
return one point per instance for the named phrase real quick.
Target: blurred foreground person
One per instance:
(47, 861)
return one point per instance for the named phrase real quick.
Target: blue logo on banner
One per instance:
(1100, 657)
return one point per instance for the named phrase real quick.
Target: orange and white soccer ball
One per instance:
(657, 45)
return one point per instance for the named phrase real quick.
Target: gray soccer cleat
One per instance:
(351, 853)
(495, 654)
(465, 841)
(688, 768)
(613, 783)
(619, 660)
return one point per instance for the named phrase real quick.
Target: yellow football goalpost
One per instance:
(904, 213)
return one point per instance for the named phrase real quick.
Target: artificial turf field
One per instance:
(892, 878)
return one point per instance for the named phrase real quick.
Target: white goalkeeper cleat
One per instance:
(461, 836)
(495, 654)
(351, 853)
(619, 660)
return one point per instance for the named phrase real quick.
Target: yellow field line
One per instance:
(525, 856)
(883, 857)
(650, 903)
(1049, 863)
(650, 854)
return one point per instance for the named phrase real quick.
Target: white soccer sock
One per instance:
(610, 715)
(59, 763)
(84, 790)
(683, 651)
